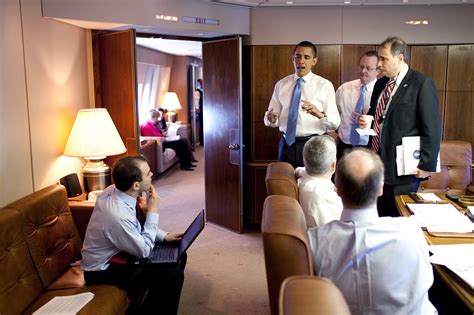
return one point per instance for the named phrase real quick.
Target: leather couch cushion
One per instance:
(19, 282)
(49, 231)
(72, 278)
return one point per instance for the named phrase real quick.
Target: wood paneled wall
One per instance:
(450, 66)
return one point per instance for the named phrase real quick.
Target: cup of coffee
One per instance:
(367, 119)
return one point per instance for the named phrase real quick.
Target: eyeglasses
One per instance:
(361, 68)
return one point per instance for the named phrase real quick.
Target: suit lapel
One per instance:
(404, 85)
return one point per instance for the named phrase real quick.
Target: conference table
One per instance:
(457, 285)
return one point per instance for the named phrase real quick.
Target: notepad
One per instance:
(65, 305)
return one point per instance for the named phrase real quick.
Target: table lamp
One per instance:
(171, 103)
(94, 137)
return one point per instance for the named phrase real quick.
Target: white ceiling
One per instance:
(306, 3)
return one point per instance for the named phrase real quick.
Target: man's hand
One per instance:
(153, 200)
(173, 237)
(365, 121)
(271, 116)
(311, 109)
(422, 174)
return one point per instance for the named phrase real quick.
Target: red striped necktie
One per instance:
(378, 113)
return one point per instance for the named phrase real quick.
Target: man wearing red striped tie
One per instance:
(403, 104)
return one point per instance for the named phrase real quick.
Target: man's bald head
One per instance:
(359, 178)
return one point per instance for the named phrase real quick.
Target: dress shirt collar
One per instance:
(306, 78)
(401, 75)
(355, 215)
(129, 200)
(370, 85)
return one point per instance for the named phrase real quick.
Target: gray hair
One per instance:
(318, 154)
(397, 46)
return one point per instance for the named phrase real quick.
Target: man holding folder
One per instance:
(403, 104)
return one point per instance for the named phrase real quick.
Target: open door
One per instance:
(116, 84)
(222, 132)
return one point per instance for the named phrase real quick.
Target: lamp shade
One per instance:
(171, 102)
(94, 136)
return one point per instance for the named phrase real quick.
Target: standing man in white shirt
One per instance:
(303, 105)
(380, 265)
(317, 193)
(353, 100)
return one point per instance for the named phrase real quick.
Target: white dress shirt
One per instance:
(401, 75)
(380, 264)
(318, 199)
(114, 228)
(347, 96)
(316, 90)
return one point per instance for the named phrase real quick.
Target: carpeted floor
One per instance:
(225, 273)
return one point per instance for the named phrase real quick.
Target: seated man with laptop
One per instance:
(114, 229)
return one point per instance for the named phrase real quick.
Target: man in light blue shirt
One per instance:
(114, 231)
(380, 264)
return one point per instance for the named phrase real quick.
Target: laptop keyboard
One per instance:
(163, 253)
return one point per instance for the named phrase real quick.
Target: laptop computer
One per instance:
(170, 252)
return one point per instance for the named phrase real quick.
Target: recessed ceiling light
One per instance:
(417, 22)
(166, 17)
(347, 2)
(200, 34)
(289, 2)
(425, 22)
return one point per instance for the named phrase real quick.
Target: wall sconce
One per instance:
(94, 137)
(171, 104)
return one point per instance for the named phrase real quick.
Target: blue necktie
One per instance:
(357, 139)
(293, 113)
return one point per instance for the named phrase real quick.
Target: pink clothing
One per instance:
(149, 129)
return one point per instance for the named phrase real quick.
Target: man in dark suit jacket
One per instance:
(411, 110)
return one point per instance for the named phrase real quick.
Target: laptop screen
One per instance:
(191, 233)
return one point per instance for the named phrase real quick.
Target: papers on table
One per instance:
(172, 130)
(408, 156)
(459, 258)
(429, 197)
(441, 217)
(65, 305)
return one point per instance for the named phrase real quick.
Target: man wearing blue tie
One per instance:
(303, 105)
(353, 100)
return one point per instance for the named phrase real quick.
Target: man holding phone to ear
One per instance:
(303, 105)
(114, 231)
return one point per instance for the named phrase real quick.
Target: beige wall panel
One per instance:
(288, 26)
(362, 25)
(57, 82)
(15, 158)
(179, 85)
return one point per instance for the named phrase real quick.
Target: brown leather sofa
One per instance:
(38, 243)
(280, 180)
(456, 170)
(301, 295)
(285, 243)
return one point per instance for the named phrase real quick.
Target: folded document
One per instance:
(408, 156)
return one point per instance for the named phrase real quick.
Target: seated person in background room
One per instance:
(185, 156)
(163, 127)
(380, 264)
(318, 198)
(114, 228)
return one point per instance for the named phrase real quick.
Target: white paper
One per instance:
(441, 217)
(408, 156)
(457, 257)
(366, 132)
(429, 196)
(172, 130)
(65, 305)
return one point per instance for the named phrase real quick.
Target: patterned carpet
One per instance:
(225, 273)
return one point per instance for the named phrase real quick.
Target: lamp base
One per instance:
(96, 175)
(171, 116)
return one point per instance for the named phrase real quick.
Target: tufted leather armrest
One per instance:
(285, 243)
(456, 170)
(301, 295)
(280, 180)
